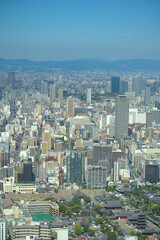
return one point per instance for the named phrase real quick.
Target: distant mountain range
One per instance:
(82, 64)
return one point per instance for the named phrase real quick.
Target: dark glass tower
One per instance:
(75, 168)
(115, 84)
(27, 175)
(121, 116)
(152, 173)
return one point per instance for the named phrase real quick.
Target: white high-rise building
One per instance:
(88, 96)
(2, 229)
(116, 169)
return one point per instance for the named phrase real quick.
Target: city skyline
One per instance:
(61, 30)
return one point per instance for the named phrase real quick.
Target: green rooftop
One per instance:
(42, 217)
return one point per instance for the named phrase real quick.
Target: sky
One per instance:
(74, 29)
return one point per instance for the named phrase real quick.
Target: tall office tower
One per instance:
(123, 87)
(52, 92)
(27, 175)
(156, 86)
(2, 229)
(75, 168)
(138, 84)
(100, 155)
(116, 171)
(6, 172)
(4, 158)
(88, 96)
(1, 93)
(12, 78)
(147, 95)
(46, 137)
(115, 84)
(44, 87)
(60, 94)
(152, 173)
(38, 109)
(70, 107)
(121, 116)
(96, 176)
(148, 119)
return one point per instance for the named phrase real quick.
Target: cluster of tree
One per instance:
(151, 188)
(110, 188)
(72, 207)
(156, 209)
(104, 223)
(69, 208)
(79, 230)
(97, 208)
(107, 230)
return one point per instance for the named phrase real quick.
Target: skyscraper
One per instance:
(152, 173)
(52, 92)
(12, 78)
(44, 87)
(46, 137)
(100, 155)
(75, 168)
(27, 175)
(123, 87)
(96, 176)
(138, 84)
(2, 229)
(115, 84)
(60, 94)
(88, 96)
(121, 116)
(70, 107)
(116, 169)
(147, 95)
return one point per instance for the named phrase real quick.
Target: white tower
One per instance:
(88, 96)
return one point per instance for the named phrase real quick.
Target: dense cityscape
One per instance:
(79, 154)
(79, 120)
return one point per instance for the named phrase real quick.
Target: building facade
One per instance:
(96, 176)
(121, 116)
(75, 167)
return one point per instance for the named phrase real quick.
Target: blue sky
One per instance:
(72, 29)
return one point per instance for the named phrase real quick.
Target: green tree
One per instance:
(132, 233)
(112, 236)
(91, 232)
(98, 220)
(56, 190)
(115, 228)
(76, 208)
(62, 208)
(138, 234)
(69, 212)
(97, 208)
(78, 229)
(86, 228)
(87, 200)
(75, 201)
